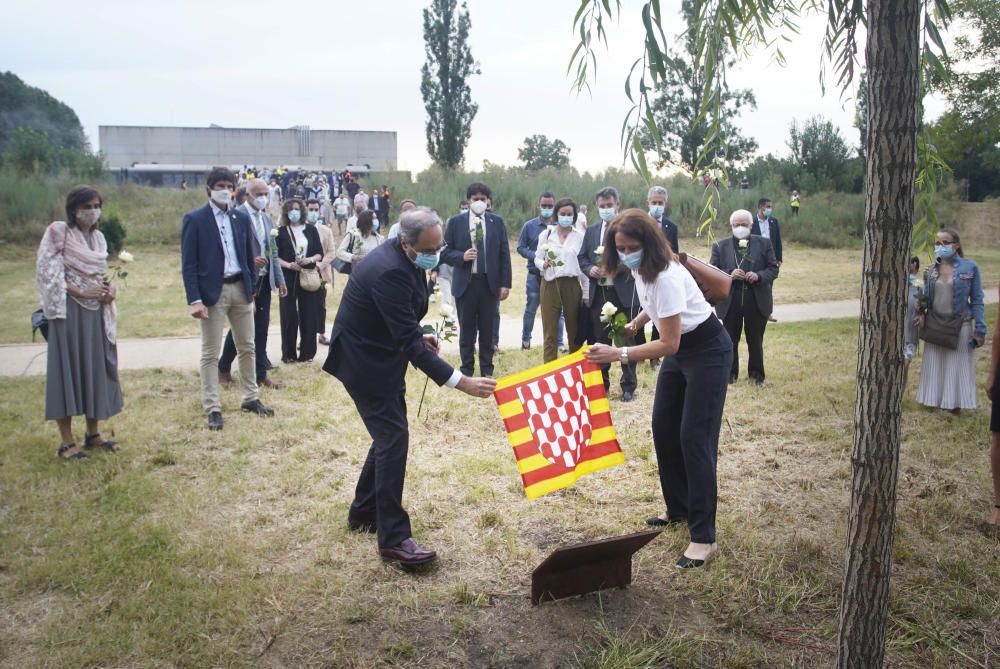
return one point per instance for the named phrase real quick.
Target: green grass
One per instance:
(194, 549)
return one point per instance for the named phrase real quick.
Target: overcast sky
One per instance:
(356, 66)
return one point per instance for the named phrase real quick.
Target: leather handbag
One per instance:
(713, 282)
(309, 280)
(343, 266)
(940, 330)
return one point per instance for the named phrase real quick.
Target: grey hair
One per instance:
(254, 182)
(607, 191)
(741, 214)
(657, 190)
(415, 221)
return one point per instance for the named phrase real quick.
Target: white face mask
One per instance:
(260, 202)
(221, 197)
(477, 207)
(741, 232)
(88, 217)
(606, 213)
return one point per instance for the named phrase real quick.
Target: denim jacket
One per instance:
(968, 291)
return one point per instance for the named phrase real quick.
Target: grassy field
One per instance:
(198, 549)
(152, 303)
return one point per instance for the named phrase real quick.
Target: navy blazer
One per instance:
(459, 240)
(774, 230)
(670, 231)
(760, 259)
(377, 328)
(274, 273)
(624, 282)
(203, 260)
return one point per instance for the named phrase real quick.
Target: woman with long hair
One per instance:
(560, 286)
(693, 378)
(299, 248)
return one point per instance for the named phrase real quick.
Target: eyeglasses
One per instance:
(942, 242)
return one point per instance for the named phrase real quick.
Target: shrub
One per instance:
(113, 228)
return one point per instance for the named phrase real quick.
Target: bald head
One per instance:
(257, 187)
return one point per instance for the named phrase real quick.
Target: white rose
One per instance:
(743, 243)
(125, 256)
(599, 250)
(447, 311)
(274, 232)
(608, 310)
(546, 248)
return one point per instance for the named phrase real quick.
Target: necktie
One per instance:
(480, 246)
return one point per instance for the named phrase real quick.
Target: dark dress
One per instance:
(300, 310)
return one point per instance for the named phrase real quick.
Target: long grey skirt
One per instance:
(82, 372)
(947, 377)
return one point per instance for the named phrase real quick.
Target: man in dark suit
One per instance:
(218, 269)
(750, 260)
(619, 290)
(478, 249)
(269, 278)
(375, 335)
(656, 200)
(766, 225)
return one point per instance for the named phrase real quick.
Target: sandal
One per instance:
(89, 442)
(79, 455)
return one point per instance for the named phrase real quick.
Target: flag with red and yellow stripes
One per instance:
(558, 421)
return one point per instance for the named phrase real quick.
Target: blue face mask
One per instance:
(374, 225)
(545, 213)
(656, 210)
(427, 261)
(944, 252)
(294, 215)
(768, 212)
(566, 221)
(631, 260)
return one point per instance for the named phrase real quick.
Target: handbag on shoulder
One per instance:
(310, 280)
(940, 330)
(713, 282)
(343, 266)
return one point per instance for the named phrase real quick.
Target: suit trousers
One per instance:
(261, 322)
(744, 314)
(477, 310)
(233, 305)
(687, 415)
(299, 312)
(558, 297)
(378, 497)
(599, 335)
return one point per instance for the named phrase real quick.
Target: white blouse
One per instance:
(674, 292)
(360, 246)
(566, 251)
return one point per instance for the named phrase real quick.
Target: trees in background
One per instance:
(444, 81)
(540, 152)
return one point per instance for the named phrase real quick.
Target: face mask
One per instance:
(88, 217)
(260, 202)
(427, 261)
(294, 216)
(221, 197)
(606, 213)
(463, 211)
(478, 207)
(741, 232)
(944, 252)
(375, 224)
(768, 212)
(631, 260)
(566, 221)
(656, 210)
(312, 216)
(545, 213)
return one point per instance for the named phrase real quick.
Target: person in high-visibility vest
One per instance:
(795, 203)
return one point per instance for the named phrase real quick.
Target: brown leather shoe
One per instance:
(408, 554)
(225, 378)
(268, 383)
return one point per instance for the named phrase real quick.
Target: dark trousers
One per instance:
(687, 415)
(378, 497)
(477, 312)
(261, 321)
(599, 335)
(744, 314)
(299, 312)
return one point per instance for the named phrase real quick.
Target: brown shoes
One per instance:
(408, 554)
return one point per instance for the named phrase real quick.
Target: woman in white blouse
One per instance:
(556, 259)
(693, 378)
(360, 242)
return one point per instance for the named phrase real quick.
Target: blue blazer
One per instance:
(202, 258)
(773, 229)
(274, 273)
(459, 240)
(377, 328)
(670, 232)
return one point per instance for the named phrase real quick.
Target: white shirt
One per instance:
(299, 235)
(765, 228)
(675, 292)
(260, 232)
(472, 234)
(342, 206)
(359, 246)
(566, 251)
(225, 226)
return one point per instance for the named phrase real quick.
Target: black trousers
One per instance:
(299, 312)
(744, 314)
(378, 497)
(687, 415)
(477, 311)
(599, 334)
(261, 321)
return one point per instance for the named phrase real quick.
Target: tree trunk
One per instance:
(893, 61)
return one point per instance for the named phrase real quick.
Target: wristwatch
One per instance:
(623, 356)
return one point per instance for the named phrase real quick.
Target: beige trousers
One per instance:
(232, 304)
(561, 296)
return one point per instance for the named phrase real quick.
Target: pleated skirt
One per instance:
(82, 368)
(947, 377)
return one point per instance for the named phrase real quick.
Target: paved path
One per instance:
(183, 352)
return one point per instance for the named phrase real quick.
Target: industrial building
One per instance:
(163, 155)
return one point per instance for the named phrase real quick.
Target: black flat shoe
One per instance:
(255, 406)
(79, 455)
(656, 521)
(215, 420)
(89, 441)
(689, 563)
(626, 396)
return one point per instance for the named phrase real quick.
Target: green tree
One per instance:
(972, 152)
(24, 106)
(444, 81)
(861, 113)
(973, 87)
(819, 151)
(31, 152)
(677, 109)
(540, 152)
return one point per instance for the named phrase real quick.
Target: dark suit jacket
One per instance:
(202, 258)
(760, 259)
(274, 274)
(286, 247)
(459, 240)
(774, 229)
(624, 283)
(377, 328)
(670, 231)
